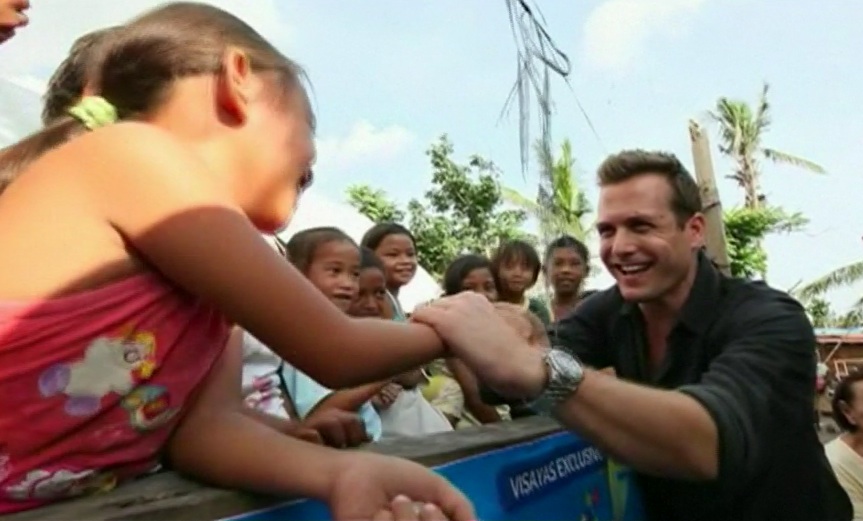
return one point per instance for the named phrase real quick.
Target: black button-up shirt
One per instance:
(745, 352)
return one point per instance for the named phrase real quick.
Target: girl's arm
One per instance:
(180, 217)
(470, 389)
(252, 456)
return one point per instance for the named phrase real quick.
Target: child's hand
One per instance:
(372, 486)
(403, 509)
(337, 428)
(387, 396)
(525, 323)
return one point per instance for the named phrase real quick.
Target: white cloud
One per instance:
(55, 24)
(363, 144)
(616, 31)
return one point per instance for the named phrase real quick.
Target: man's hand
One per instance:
(496, 352)
(337, 428)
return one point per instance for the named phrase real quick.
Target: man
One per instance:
(712, 403)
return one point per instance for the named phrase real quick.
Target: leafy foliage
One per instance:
(461, 212)
(561, 206)
(822, 315)
(745, 228)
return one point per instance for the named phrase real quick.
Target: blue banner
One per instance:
(555, 478)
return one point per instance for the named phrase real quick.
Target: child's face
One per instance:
(480, 281)
(566, 270)
(371, 299)
(335, 271)
(398, 253)
(516, 276)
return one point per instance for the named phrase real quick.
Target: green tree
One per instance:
(461, 212)
(374, 204)
(741, 131)
(561, 206)
(822, 315)
(745, 229)
(845, 276)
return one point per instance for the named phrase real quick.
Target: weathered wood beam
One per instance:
(169, 497)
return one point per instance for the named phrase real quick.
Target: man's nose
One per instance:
(623, 245)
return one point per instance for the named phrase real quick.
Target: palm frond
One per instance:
(839, 278)
(515, 198)
(789, 159)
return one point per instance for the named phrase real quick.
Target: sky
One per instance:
(390, 76)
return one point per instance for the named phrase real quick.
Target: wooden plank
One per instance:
(167, 496)
(715, 243)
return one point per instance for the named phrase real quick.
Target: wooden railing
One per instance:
(169, 497)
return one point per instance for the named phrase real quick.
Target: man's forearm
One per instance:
(232, 450)
(655, 431)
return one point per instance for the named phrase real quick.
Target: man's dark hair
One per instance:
(685, 195)
(844, 393)
(67, 83)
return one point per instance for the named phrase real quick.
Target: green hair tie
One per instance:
(94, 112)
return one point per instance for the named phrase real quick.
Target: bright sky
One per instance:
(390, 76)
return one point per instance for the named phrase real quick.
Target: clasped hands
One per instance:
(497, 341)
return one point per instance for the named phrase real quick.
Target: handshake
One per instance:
(501, 343)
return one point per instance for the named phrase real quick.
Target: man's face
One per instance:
(641, 242)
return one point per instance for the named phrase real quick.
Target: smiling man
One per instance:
(712, 403)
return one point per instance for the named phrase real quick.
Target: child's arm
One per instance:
(181, 218)
(216, 443)
(470, 389)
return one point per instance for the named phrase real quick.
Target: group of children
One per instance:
(363, 280)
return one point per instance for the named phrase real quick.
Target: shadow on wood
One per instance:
(167, 496)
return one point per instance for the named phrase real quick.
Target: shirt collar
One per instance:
(700, 305)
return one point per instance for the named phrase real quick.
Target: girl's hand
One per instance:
(337, 428)
(377, 487)
(403, 509)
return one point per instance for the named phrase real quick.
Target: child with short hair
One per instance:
(409, 414)
(567, 265)
(330, 259)
(516, 268)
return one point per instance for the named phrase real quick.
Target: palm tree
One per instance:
(741, 130)
(561, 205)
(843, 277)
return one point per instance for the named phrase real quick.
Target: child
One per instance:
(330, 259)
(408, 412)
(516, 268)
(567, 264)
(107, 345)
(372, 302)
(459, 396)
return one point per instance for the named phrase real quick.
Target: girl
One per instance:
(104, 349)
(331, 261)
(516, 266)
(459, 396)
(409, 414)
(567, 264)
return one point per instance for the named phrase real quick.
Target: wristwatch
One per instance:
(565, 373)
